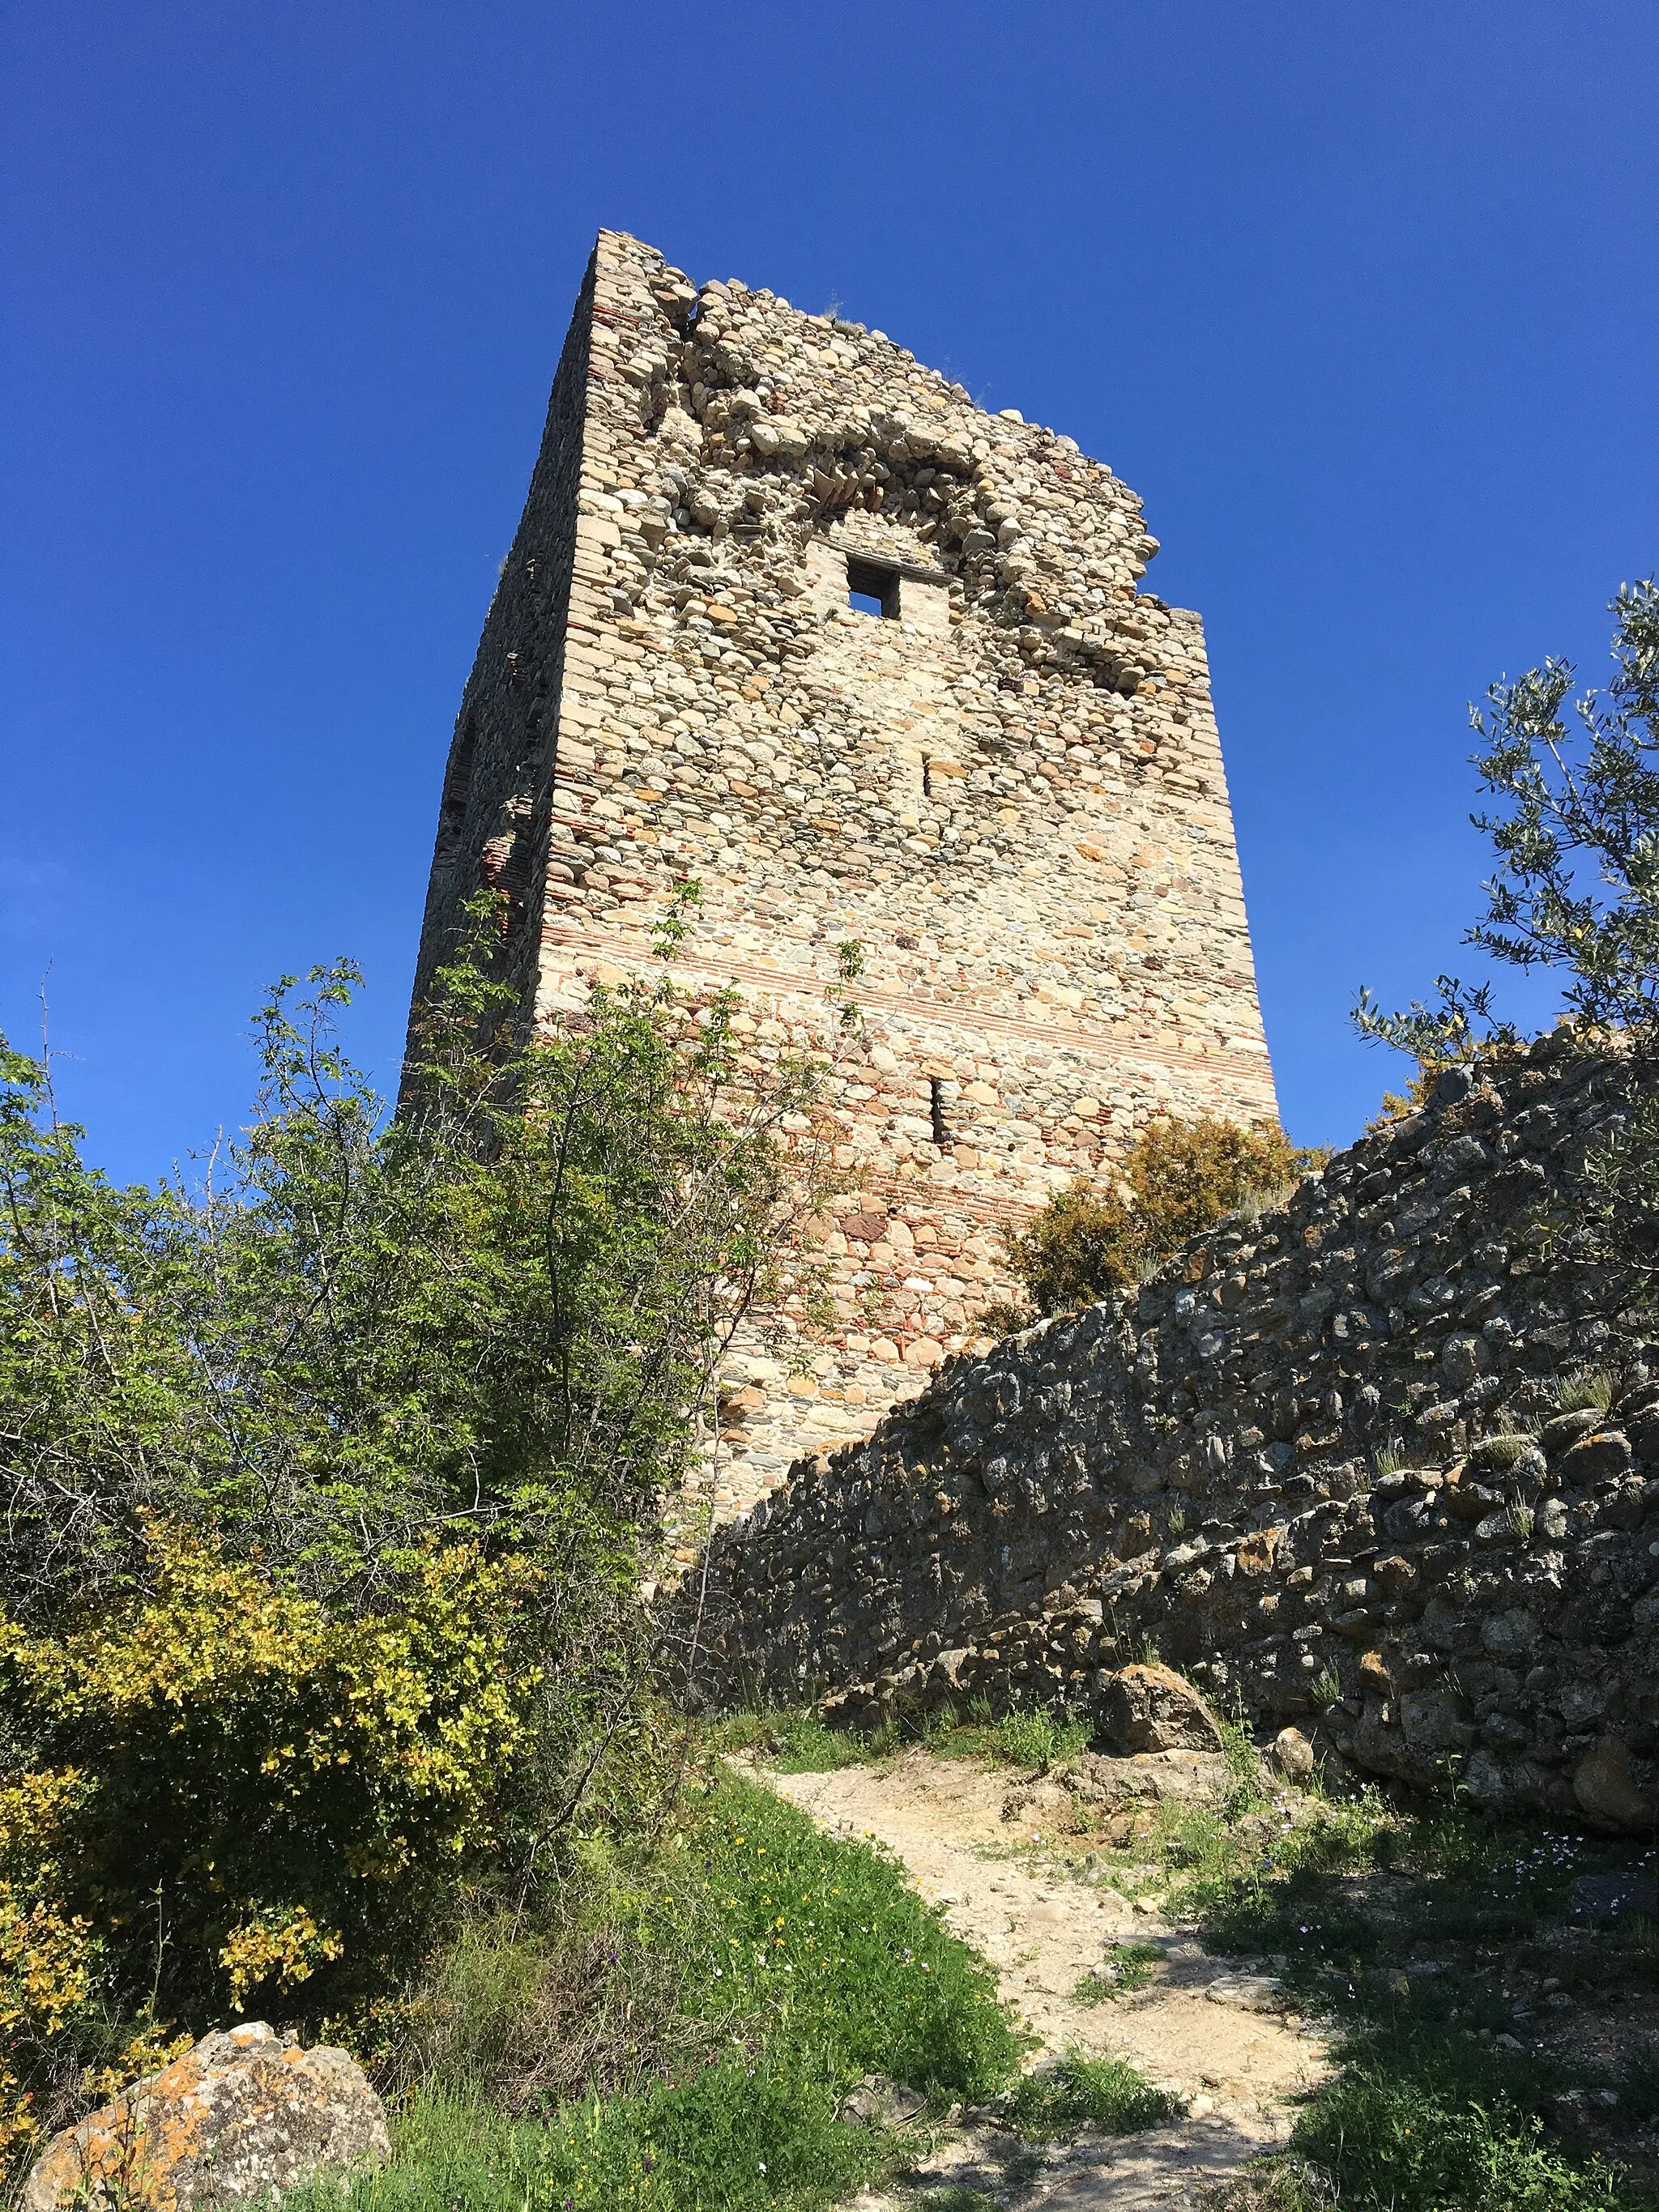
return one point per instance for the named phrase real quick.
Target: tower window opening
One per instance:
(936, 1106)
(872, 589)
(927, 777)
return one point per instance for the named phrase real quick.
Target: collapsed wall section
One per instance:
(791, 616)
(1319, 1461)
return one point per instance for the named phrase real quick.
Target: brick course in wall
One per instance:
(1005, 786)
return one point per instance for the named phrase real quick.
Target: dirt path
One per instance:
(1195, 2030)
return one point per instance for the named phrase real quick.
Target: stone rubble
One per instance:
(1317, 1462)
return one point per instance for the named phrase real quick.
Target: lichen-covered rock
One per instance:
(1152, 1708)
(247, 2114)
(1136, 1784)
(1293, 1755)
(1149, 1777)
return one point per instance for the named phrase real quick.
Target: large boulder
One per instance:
(1608, 1792)
(1152, 1708)
(247, 2113)
(1292, 1755)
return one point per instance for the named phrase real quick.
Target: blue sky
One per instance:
(1361, 298)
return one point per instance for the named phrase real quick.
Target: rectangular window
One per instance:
(872, 589)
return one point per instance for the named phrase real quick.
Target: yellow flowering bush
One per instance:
(234, 1799)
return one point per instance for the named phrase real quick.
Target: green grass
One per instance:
(739, 2138)
(823, 1940)
(1127, 1967)
(1349, 1902)
(782, 1966)
(1103, 2092)
(1039, 1738)
(794, 1740)
(1393, 2144)
(1591, 1389)
(793, 1964)
(1028, 1736)
(734, 2137)
(1427, 2111)
(1248, 1790)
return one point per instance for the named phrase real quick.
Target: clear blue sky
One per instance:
(1362, 298)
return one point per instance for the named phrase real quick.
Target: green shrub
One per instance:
(1104, 2093)
(325, 1491)
(1394, 2145)
(1085, 1245)
(249, 1794)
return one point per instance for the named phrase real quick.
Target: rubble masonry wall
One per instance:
(1319, 1461)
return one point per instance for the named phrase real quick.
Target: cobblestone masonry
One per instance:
(1006, 785)
(1321, 1460)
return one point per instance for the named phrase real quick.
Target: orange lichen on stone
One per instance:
(245, 2114)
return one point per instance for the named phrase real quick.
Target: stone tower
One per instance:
(788, 613)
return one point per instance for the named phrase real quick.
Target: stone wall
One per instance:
(494, 808)
(1005, 787)
(1318, 1461)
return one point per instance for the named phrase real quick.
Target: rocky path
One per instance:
(1205, 2029)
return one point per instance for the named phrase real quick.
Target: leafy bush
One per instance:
(1082, 1246)
(498, 1310)
(1575, 895)
(237, 1792)
(1576, 887)
(326, 1492)
(1178, 1178)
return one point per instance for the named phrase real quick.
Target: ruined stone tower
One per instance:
(788, 613)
